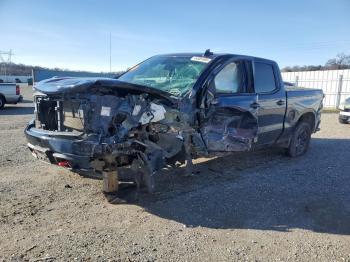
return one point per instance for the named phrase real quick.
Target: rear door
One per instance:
(228, 113)
(271, 101)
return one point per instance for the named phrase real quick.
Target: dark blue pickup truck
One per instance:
(168, 110)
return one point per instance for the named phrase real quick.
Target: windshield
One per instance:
(173, 74)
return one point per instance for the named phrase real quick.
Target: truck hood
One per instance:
(71, 85)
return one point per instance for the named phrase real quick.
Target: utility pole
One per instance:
(110, 53)
(10, 56)
(5, 62)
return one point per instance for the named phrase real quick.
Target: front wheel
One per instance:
(300, 140)
(343, 121)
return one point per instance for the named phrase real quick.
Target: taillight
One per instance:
(64, 163)
(18, 90)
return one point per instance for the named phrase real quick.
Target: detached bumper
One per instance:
(56, 148)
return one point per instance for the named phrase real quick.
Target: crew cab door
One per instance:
(228, 112)
(271, 101)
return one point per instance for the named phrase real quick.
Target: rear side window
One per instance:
(264, 78)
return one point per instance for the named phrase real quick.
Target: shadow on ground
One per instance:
(17, 110)
(27, 101)
(263, 190)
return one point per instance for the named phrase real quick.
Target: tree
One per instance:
(341, 61)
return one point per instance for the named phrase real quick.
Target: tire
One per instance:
(300, 141)
(343, 121)
(2, 102)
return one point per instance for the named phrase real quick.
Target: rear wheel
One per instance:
(2, 102)
(300, 140)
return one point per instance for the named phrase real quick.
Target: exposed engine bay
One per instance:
(132, 131)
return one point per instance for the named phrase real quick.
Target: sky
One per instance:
(76, 34)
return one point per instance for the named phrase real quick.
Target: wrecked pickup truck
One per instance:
(168, 110)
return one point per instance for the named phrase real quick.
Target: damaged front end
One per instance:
(109, 128)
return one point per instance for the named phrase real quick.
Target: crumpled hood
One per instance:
(69, 85)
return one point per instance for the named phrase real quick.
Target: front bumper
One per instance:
(56, 147)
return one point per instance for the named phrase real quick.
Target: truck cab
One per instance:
(245, 98)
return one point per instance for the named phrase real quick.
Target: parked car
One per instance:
(9, 94)
(168, 110)
(344, 114)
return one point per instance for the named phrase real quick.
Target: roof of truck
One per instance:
(217, 55)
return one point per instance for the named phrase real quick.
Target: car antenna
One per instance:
(208, 52)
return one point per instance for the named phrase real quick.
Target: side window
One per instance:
(229, 79)
(264, 78)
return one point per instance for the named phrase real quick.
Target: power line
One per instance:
(9, 56)
(5, 62)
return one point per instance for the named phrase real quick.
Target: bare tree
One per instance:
(341, 61)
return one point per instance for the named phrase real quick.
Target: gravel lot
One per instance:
(255, 207)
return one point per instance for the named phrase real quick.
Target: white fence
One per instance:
(334, 83)
(12, 79)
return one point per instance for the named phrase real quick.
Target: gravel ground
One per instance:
(261, 206)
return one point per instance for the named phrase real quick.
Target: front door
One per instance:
(229, 112)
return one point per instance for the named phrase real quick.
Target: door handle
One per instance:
(255, 105)
(280, 102)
